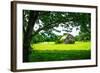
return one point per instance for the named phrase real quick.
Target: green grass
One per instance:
(49, 51)
(53, 46)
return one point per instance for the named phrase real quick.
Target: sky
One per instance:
(74, 31)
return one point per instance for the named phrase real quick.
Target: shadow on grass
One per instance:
(55, 55)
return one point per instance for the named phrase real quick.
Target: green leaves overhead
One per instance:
(51, 19)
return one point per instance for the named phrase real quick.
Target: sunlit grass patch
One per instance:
(50, 51)
(53, 46)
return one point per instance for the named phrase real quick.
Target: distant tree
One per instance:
(44, 37)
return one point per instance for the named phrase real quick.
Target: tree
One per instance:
(33, 15)
(84, 21)
(47, 20)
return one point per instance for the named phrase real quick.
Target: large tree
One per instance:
(47, 20)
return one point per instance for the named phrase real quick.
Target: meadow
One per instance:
(50, 51)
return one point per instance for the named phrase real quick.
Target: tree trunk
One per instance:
(33, 15)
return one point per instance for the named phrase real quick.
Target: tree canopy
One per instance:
(47, 20)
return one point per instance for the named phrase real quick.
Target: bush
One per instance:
(83, 37)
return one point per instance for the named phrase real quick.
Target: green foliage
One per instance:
(83, 36)
(43, 37)
(77, 38)
(51, 19)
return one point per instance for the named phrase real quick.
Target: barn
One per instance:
(67, 39)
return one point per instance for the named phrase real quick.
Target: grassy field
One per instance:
(49, 51)
(53, 46)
